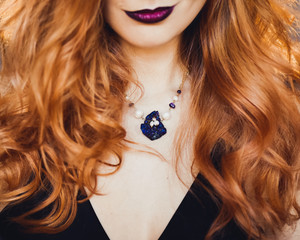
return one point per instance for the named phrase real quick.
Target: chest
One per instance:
(138, 201)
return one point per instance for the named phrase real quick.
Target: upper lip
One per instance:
(148, 10)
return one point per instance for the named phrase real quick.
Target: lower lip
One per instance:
(151, 16)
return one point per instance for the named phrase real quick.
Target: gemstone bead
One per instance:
(166, 116)
(172, 105)
(138, 114)
(179, 91)
(175, 98)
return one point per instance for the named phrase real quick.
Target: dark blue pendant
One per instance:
(152, 127)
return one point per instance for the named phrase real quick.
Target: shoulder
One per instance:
(3, 184)
(2, 206)
(291, 232)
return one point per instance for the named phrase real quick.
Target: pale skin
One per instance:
(141, 198)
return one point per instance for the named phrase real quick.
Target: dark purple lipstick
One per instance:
(151, 16)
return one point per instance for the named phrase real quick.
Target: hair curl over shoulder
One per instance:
(65, 78)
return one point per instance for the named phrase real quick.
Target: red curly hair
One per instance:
(63, 80)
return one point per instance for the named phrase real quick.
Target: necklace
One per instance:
(153, 127)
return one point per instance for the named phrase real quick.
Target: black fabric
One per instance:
(191, 221)
(85, 226)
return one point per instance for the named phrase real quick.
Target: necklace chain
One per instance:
(139, 114)
(153, 127)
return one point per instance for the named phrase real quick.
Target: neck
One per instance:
(155, 66)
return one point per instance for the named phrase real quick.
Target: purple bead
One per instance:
(179, 91)
(172, 105)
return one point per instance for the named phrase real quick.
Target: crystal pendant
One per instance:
(152, 127)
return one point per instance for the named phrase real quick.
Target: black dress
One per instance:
(191, 220)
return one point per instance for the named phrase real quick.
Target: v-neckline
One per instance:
(180, 206)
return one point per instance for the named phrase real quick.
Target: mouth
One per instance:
(151, 16)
